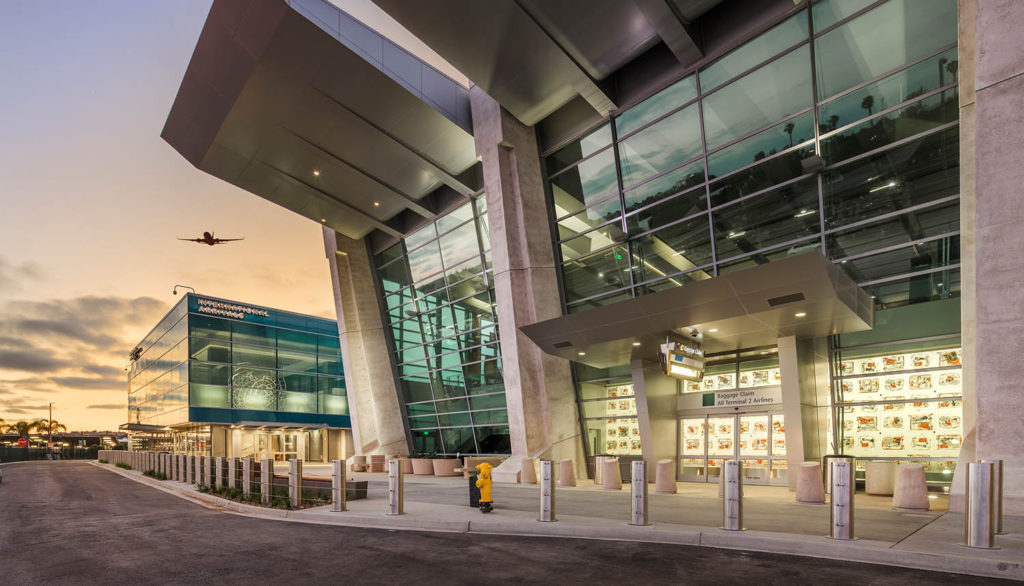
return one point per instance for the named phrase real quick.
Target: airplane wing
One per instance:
(191, 239)
(219, 240)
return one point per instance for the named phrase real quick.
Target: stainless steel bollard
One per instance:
(266, 480)
(338, 485)
(246, 480)
(843, 488)
(598, 470)
(732, 496)
(396, 488)
(295, 482)
(638, 493)
(997, 496)
(979, 529)
(547, 491)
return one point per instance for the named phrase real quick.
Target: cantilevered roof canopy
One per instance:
(748, 308)
(301, 104)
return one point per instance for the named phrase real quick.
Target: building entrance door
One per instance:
(758, 440)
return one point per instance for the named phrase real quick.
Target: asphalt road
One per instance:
(73, 523)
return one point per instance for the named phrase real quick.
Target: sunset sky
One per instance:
(91, 201)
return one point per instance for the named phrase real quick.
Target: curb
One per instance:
(862, 551)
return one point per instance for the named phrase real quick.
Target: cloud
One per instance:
(32, 361)
(103, 370)
(107, 406)
(12, 276)
(90, 384)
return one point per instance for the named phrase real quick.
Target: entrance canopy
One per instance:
(804, 295)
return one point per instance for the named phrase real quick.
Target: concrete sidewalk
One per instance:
(776, 524)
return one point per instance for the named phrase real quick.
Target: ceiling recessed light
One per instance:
(582, 353)
(636, 343)
(316, 172)
(376, 204)
(713, 330)
(801, 314)
(323, 219)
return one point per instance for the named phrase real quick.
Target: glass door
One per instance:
(753, 447)
(693, 459)
(758, 440)
(721, 444)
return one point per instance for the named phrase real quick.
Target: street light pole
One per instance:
(49, 424)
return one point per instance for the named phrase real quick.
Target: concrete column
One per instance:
(991, 64)
(803, 364)
(374, 408)
(232, 472)
(542, 411)
(656, 402)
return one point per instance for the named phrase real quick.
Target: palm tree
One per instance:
(833, 120)
(788, 129)
(44, 426)
(22, 428)
(868, 103)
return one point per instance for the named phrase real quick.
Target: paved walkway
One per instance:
(925, 539)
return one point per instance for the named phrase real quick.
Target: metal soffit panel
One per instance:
(748, 308)
(306, 103)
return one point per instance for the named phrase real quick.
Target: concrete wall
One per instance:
(542, 411)
(377, 425)
(992, 212)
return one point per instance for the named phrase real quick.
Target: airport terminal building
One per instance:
(223, 378)
(812, 204)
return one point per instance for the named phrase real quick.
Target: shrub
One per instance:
(123, 465)
(155, 474)
(102, 461)
(202, 488)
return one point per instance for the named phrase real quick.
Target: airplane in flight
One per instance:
(210, 240)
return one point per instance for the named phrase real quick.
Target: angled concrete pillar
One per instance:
(991, 76)
(803, 364)
(542, 411)
(376, 413)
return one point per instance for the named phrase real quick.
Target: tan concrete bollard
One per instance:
(611, 476)
(665, 477)
(528, 474)
(809, 488)
(879, 478)
(566, 475)
(911, 491)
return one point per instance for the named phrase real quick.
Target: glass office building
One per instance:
(437, 285)
(225, 378)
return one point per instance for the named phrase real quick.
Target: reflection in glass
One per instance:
(664, 101)
(664, 186)
(762, 145)
(760, 48)
(661, 146)
(584, 147)
(771, 218)
(585, 184)
(931, 221)
(588, 276)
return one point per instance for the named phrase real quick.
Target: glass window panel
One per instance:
(294, 381)
(254, 356)
(335, 404)
(210, 350)
(667, 185)
(781, 88)
(454, 218)
(488, 402)
(452, 405)
(253, 378)
(660, 147)
(459, 244)
(211, 374)
(463, 271)
(388, 255)
(454, 420)
(899, 87)
(581, 223)
(396, 274)
(599, 213)
(458, 440)
(331, 385)
(882, 39)
(424, 262)
(899, 124)
(494, 440)
(427, 442)
(484, 377)
(918, 289)
(255, 334)
(595, 409)
(452, 382)
(906, 176)
(297, 402)
(669, 210)
(429, 421)
(768, 256)
(919, 257)
(420, 409)
(325, 364)
(421, 236)
(902, 229)
(758, 49)
(490, 417)
(768, 219)
(600, 301)
(293, 340)
(416, 389)
(828, 12)
(751, 180)
(473, 312)
(677, 248)
(589, 144)
(201, 395)
(599, 273)
(585, 372)
(585, 184)
(209, 327)
(326, 344)
(763, 144)
(664, 101)
(671, 282)
(594, 240)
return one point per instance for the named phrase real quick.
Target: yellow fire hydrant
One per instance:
(483, 482)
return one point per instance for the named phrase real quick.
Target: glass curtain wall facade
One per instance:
(437, 290)
(193, 363)
(835, 130)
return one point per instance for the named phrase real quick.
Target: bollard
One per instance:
(997, 496)
(638, 489)
(218, 471)
(979, 529)
(732, 496)
(842, 470)
(338, 485)
(190, 469)
(295, 482)
(232, 472)
(266, 480)
(547, 491)
(246, 480)
(179, 467)
(198, 465)
(396, 486)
